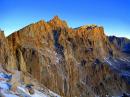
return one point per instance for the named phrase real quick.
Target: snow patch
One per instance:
(21, 90)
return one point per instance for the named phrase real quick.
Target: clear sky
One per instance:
(114, 15)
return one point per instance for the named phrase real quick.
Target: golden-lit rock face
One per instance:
(56, 22)
(6, 57)
(67, 61)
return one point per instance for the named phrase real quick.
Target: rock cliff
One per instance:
(65, 60)
(6, 57)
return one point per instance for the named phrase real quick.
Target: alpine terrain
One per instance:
(71, 62)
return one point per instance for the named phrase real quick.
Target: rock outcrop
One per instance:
(123, 44)
(65, 60)
(6, 56)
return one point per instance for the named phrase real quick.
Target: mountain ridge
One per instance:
(66, 60)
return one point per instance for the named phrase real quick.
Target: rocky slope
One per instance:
(11, 85)
(122, 44)
(71, 62)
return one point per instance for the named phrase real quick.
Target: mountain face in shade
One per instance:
(121, 43)
(78, 62)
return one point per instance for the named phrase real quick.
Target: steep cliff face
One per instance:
(2, 47)
(67, 61)
(6, 56)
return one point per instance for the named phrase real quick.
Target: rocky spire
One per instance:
(57, 22)
(2, 34)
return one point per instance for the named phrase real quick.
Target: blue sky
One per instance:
(114, 15)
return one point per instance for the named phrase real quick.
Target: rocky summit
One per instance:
(72, 62)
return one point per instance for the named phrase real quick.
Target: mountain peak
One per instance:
(1, 34)
(57, 22)
(51, 53)
(56, 18)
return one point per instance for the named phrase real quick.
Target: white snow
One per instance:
(53, 94)
(21, 89)
(39, 94)
(124, 59)
(36, 94)
(6, 94)
(110, 63)
(107, 60)
(4, 86)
